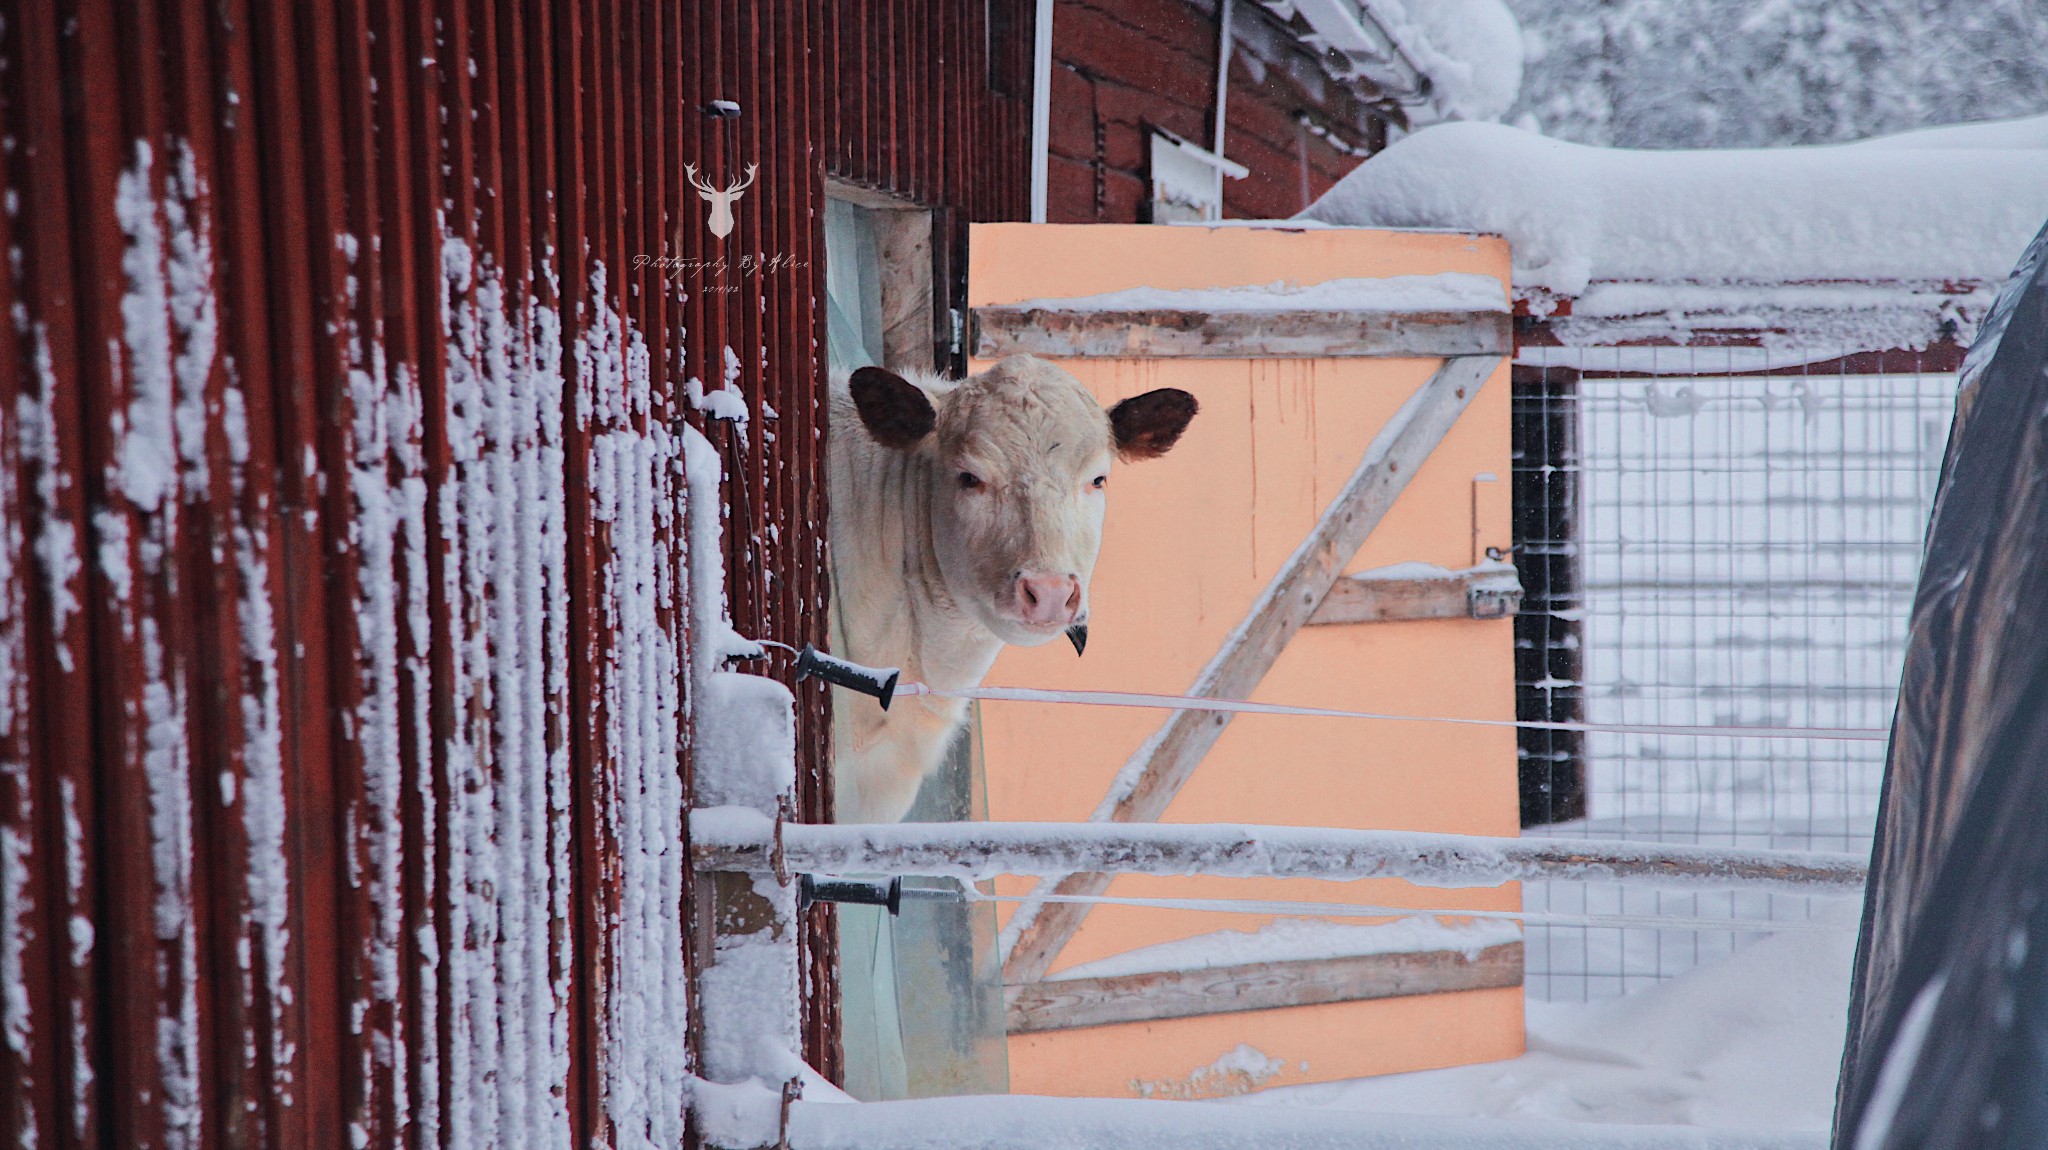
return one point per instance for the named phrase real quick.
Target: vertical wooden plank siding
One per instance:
(346, 364)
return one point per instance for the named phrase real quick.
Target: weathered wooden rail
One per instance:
(730, 839)
(1151, 333)
(1063, 1003)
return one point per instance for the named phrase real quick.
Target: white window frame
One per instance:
(1187, 179)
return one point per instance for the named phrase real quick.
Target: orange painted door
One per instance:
(1190, 541)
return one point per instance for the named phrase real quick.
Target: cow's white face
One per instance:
(1020, 457)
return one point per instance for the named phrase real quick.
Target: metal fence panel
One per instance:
(1747, 547)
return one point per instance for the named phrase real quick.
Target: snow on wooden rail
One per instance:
(1490, 590)
(734, 839)
(1450, 314)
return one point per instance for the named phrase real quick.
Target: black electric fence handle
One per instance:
(879, 682)
(812, 888)
(890, 893)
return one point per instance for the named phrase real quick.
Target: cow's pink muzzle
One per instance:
(1047, 600)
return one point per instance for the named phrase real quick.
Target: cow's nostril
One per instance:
(1030, 593)
(1074, 598)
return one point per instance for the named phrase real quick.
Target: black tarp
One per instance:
(1948, 1019)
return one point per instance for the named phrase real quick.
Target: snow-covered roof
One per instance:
(1471, 50)
(1439, 59)
(1945, 205)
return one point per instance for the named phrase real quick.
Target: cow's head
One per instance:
(1020, 459)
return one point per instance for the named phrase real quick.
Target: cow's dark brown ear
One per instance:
(1147, 426)
(895, 411)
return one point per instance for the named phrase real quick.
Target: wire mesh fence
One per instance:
(1729, 539)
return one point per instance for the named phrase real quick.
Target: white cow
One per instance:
(965, 515)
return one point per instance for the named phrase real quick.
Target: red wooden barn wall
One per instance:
(928, 101)
(341, 572)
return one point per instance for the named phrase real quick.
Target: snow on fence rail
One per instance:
(739, 839)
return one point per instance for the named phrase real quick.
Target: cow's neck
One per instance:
(894, 609)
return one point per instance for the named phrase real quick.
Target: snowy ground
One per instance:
(1746, 1042)
(1737, 1054)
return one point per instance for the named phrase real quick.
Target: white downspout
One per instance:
(1041, 107)
(1224, 47)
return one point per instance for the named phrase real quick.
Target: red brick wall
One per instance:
(1122, 67)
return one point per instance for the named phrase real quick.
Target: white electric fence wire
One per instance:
(1238, 706)
(1292, 909)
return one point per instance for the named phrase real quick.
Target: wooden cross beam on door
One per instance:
(1162, 765)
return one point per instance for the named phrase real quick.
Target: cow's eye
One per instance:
(1099, 482)
(969, 481)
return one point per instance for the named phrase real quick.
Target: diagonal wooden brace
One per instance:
(1159, 768)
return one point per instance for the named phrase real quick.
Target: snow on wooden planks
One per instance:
(1492, 591)
(1447, 314)
(1062, 333)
